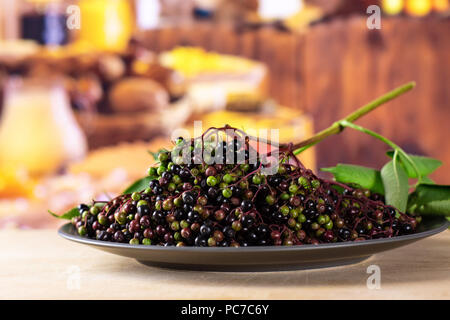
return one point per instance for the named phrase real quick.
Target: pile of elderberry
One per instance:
(236, 205)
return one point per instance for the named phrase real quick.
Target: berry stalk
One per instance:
(336, 127)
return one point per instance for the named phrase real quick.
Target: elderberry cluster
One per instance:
(236, 205)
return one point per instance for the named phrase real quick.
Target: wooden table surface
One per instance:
(38, 264)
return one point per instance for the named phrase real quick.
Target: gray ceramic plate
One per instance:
(268, 258)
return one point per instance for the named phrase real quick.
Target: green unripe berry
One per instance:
(198, 208)
(175, 226)
(176, 179)
(315, 183)
(161, 170)
(293, 188)
(141, 203)
(227, 193)
(329, 225)
(211, 181)
(163, 156)
(171, 187)
(177, 236)
(178, 202)
(211, 242)
(315, 226)
(82, 230)
(321, 219)
(223, 185)
(84, 214)
(301, 218)
(228, 178)
(146, 241)
(270, 200)
(184, 224)
(285, 196)
(94, 210)
(281, 169)
(167, 204)
(243, 184)
(284, 210)
(102, 219)
(147, 190)
(134, 241)
(120, 217)
(244, 167)
(195, 172)
(158, 205)
(152, 171)
(294, 213)
(135, 196)
(256, 179)
(303, 182)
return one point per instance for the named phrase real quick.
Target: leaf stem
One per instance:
(397, 149)
(336, 128)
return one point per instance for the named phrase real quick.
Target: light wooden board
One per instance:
(38, 264)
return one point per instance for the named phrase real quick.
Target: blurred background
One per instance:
(88, 88)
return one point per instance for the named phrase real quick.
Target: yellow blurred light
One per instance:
(393, 6)
(441, 5)
(106, 24)
(15, 182)
(418, 8)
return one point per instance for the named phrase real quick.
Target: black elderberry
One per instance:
(185, 174)
(205, 230)
(157, 190)
(344, 233)
(143, 210)
(152, 184)
(247, 221)
(193, 216)
(201, 242)
(246, 205)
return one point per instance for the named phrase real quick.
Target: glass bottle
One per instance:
(38, 131)
(44, 21)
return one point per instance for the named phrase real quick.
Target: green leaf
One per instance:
(427, 180)
(425, 165)
(367, 178)
(139, 185)
(430, 199)
(74, 212)
(395, 182)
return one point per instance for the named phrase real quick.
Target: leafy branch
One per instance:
(336, 127)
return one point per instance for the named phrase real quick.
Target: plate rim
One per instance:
(444, 224)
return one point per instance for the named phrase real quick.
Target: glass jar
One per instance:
(38, 131)
(44, 21)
